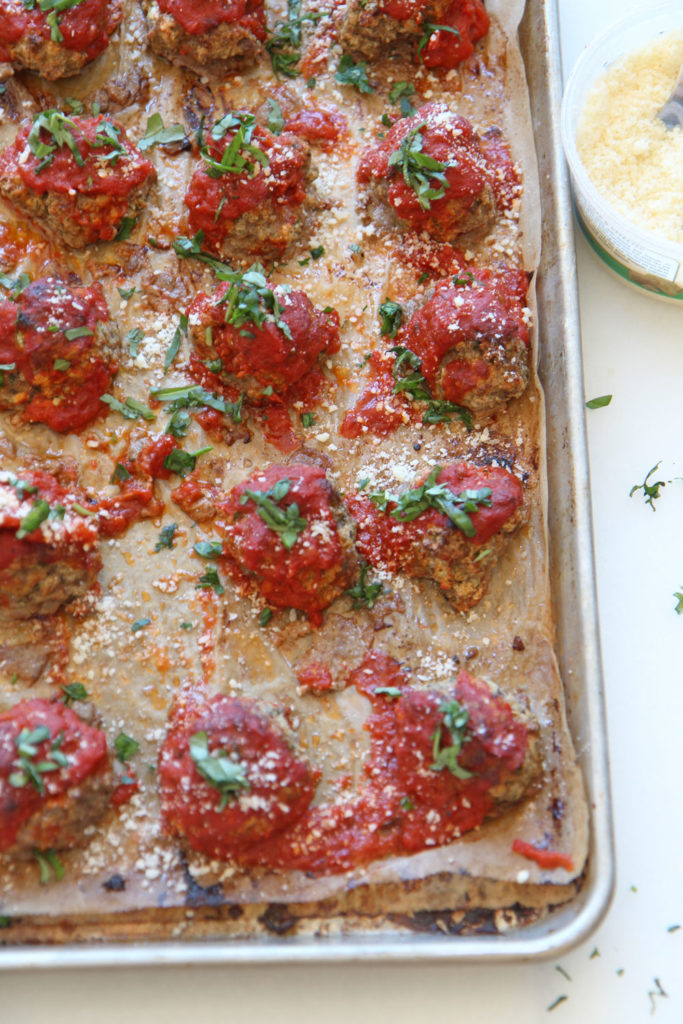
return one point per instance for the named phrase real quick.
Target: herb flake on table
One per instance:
(599, 403)
(651, 491)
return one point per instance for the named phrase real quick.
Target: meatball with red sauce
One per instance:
(247, 193)
(56, 43)
(79, 177)
(450, 528)
(228, 776)
(48, 548)
(55, 777)
(472, 338)
(62, 348)
(264, 336)
(216, 36)
(288, 532)
(455, 196)
(371, 28)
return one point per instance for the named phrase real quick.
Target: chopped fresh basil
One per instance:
(350, 73)
(284, 42)
(410, 381)
(125, 228)
(181, 462)
(125, 747)
(157, 135)
(131, 408)
(240, 155)
(317, 252)
(387, 691)
(139, 624)
(49, 864)
(132, 340)
(599, 403)
(212, 580)
(286, 522)
(363, 594)
(276, 121)
(208, 548)
(184, 397)
(307, 419)
(679, 602)
(77, 332)
(174, 347)
(391, 317)
(14, 285)
(455, 719)
(421, 172)
(73, 692)
(400, 93)
(61, 128)
(120, 474)
(38, 513)
(126, 293)
(651, 491)
(227, 776)
(61, 365)
(456, 507)
(265, 616)
(166, 537)
(407, 804)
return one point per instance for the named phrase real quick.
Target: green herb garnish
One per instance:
(73, 692)
(651, 491)
(211, 580)
(284, 521)
(599, 403)
(421, 172)
(284, 42)
(350, 73)
(181, 462)
(38, 513)
(166, 536)
(221, 772)
(157, 135)
(455, 718)
(456, 507)
(125, 746)
(208, 548)
(363, 594)
(428, 30)
(131, 409)
(391, 317)
(400, 93)
(240, 155)
(139, 624)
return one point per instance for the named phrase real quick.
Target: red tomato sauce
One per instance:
(84, 746)
(315, 677)
(265, 352)
(546, 859)
(97, 176)
(86, 27)
(32, 336)
(452, 141)
(484, 305)
(136, 498)
(402, 805)
(378, 411)
(196, 17)
(311, 573)
(216, 203)
(385, 542)
(316, 125)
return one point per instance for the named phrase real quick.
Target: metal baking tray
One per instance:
(575, 612)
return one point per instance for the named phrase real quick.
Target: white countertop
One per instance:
(633, 349)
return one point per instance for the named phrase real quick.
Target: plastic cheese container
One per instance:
(639, 256)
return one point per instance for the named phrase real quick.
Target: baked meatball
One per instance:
(63, 349)
(261, 336)
(48, 549)
(371, 28)
(55, 777)
(52, 42)
(452, 196)
(246, 195)
(228, 776)
(451, 528)
(459, 754)
(472, 337)
(78, 177)
(287, 531)
(216, 36)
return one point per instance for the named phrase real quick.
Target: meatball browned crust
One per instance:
(48, 548)
(55, 777)
(220, 37)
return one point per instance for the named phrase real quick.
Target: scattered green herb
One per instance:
(284, 42)
(240, 155)
(599, 403)
(28, 769)
(651, 491)
(561, 970)
(363, 594)
(139, 624)
(286, 522)
(131, 409)
(126, 293)
(166, 536)
(391, 317)
(428, 30)
(157, 135)
(208, 548)
(407, 804)
(37, 514)
(120, 474)
(421, 172)
(49, 864)
(387, 691)
(211, 580)
(350, 73)
(456, 507)
(221, 772)
(72, 692)
(307, 419)
(14, 285)
(181, 462)
(61, 365)
(400, 93)
(276, 121)
(77, 332)
(560, 999)
(174, 347)
(455, 718)
(125, 746)
(265, 617)
(133, 339)
(61, 128)
(656, 991)
(125, 228)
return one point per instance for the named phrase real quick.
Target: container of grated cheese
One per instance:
(626, 166)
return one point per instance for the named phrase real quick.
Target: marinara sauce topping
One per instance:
(284, 530)
(245, 169)
(266, 336)
(196, 17)
(464, 179)
(228, 777)
(45, 751)
(63, 360)
(85, 26)
(91, 156)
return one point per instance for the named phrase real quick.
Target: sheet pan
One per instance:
(577, 644)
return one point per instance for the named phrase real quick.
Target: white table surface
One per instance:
(633, 349)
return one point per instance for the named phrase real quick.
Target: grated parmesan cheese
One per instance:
(631, 157)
